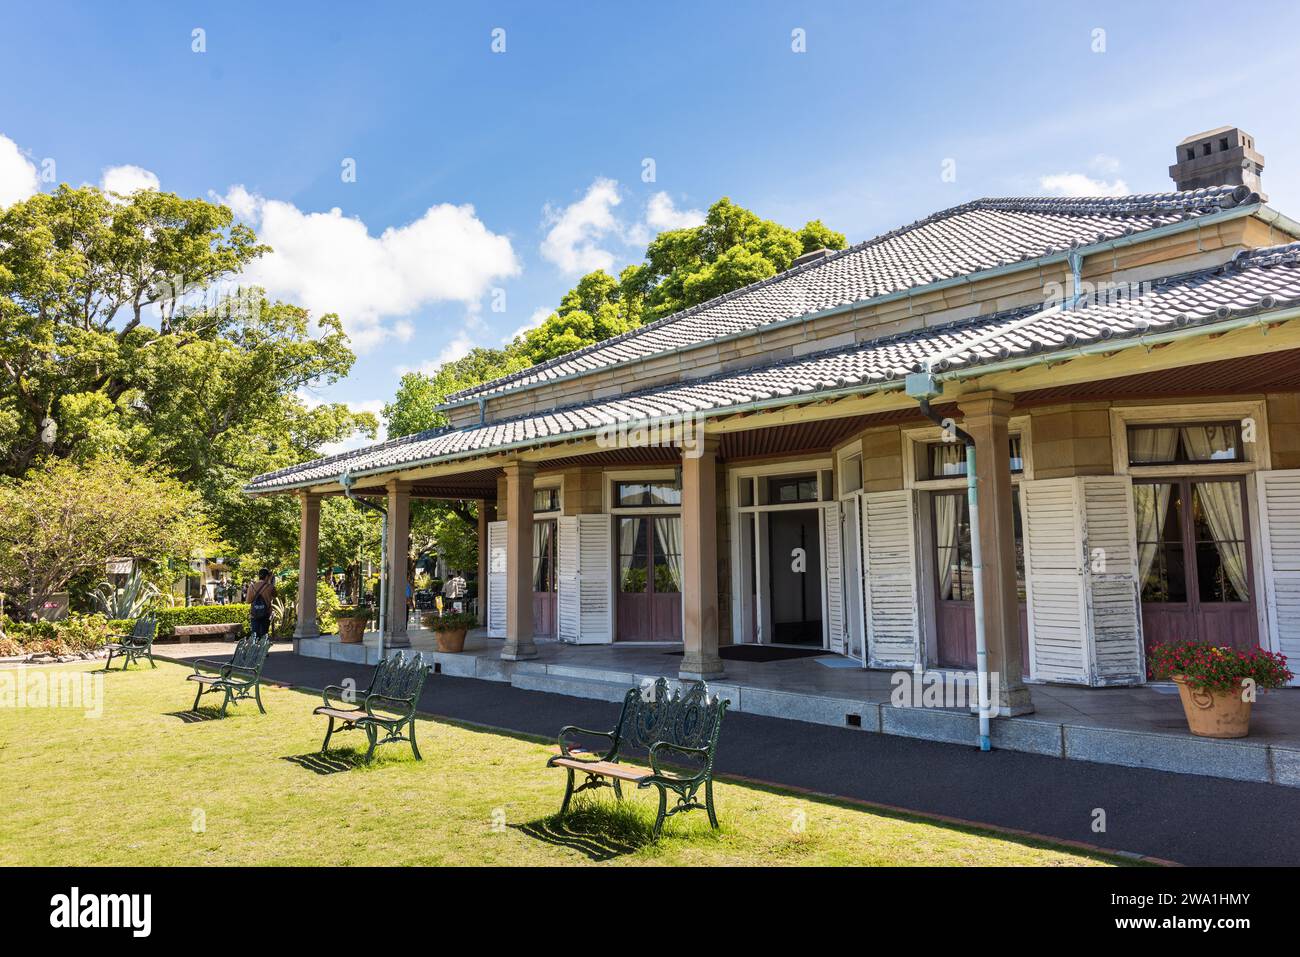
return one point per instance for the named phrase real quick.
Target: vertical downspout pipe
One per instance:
(347, 481)
(923, 386)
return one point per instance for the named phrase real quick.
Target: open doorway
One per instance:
(794, 577)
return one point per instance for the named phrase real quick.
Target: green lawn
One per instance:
(138, 785)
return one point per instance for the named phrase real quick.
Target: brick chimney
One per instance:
(1222, 157)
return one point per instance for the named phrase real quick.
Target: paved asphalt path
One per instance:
(1185, 818)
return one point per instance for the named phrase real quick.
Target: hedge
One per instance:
(169, 618)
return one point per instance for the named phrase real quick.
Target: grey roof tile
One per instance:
(1255, 281)
(969, 238)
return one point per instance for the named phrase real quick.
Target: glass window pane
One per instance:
(664, 493)
(544, 556)
(1219, 528)
(1017, 455)
(546, 500)
(667, 554)
(785, 491)
(851, 473)
(1158, 520)
(1209, 443)
(947, 460)
(1187, 444)
(632, 554)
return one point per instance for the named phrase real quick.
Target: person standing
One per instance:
(260, 595)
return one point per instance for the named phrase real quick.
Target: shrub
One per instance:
(1207, 667)
(169, 618)
(121, 626)
(327, 610)
(84, 632)
(10, 648)
(449, 622)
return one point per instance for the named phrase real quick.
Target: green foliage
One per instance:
(65, 519)
(131, 600)
(75, 634)
(169, 618)
(413, 409)
(327, 609)
(121, 626)
(449, 622)
(115, 329)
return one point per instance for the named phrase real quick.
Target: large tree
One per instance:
(66, 519)
(121, 334)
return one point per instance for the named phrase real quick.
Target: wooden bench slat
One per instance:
(623, 772)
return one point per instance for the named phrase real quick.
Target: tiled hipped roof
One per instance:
(1258, 281)
(976, 236)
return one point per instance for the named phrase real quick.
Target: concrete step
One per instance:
(568, 685)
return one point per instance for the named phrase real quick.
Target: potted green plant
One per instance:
(352, 624)
(1218, 685)
(449, 629)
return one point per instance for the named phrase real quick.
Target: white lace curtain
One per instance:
(668, 533)
(945, 537)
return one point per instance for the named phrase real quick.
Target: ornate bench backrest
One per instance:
(652, 714)
(396, 677)
(145, 627)
(250, 653)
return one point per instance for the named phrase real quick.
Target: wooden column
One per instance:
(398, 557)
(985, 417)
(700, 562)
(308, 565)
(487, 512)
(519, 562)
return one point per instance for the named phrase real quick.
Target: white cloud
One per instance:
(1105, 164)
(661, 214)
(18, 176)
(577, 231)
(580, 234)
(329, 262)
(540, 315)
(125, 180)
(1080, 184)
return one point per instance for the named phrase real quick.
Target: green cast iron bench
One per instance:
(388, 705)
(239, 678)
(138, 644)
(680, 725)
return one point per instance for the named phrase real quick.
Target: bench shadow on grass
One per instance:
(333, 761)
(195, 717)
(601, 831)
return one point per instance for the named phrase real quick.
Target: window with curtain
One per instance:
(668, 554)
(546, 500)
(646, 494)
(948, 459)
(1219, 538)
(632, 554)
(1158, 518)
(953, 559)
(544, 556)
(1193, 444)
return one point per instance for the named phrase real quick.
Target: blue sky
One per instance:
(547, 141)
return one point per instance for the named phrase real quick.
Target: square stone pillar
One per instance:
(700, 562)
(985, 416)
(519, 562)
(308, 565)
(399, 550)
(487, 513)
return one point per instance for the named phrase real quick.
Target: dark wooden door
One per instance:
(794, 571)
(1194, 564)
(955, 584)
(544, 573)
(649, 606)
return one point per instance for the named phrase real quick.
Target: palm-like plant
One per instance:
(136, 596)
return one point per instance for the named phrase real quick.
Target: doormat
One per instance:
(838, 662)
(762, 653)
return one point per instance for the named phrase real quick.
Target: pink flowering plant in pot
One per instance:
(1218, 685)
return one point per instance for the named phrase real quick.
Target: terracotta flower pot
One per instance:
(453, 640)
(351, 630)
(1214, 714)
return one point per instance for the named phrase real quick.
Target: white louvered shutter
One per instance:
(1054, 578)
(889, 576)
(834, 582)
(1110, 572)
(567, 599)
(590, 615)
(1279, 524)
(496, 595)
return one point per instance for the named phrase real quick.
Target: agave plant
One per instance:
(131, 600)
